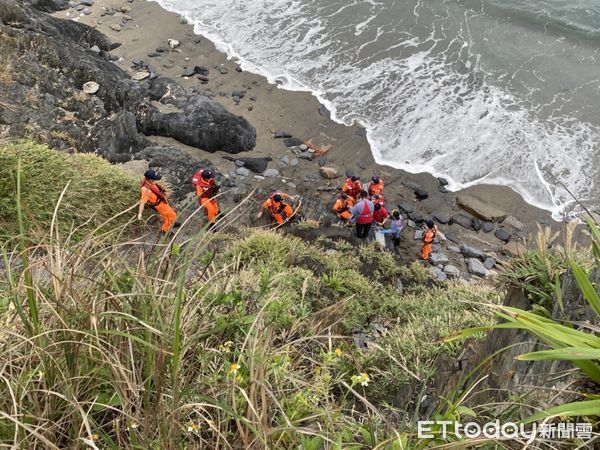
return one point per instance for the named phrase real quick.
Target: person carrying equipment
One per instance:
(280, 211)
(375, 187)
(380, 214)
(155, 196)
(342, 207)
(206, 190)
(428, 238)
(362, 215)
(352, 186)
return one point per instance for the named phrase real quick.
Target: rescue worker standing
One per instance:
(428, 238)
(362, 215)
(352, 186)
(206, 190)
(156, 197)
(280, 211)
(342, 207)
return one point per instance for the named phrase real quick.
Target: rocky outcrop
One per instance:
(480, 208)
(542, 383)
(194, 120)
(45, 62)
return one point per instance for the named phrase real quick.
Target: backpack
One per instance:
(197, 177)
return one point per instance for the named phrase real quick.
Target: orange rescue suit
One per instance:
(342, 207)
(153, 195)
(352, 188)
(205, 192)
(428, 238)
(376, 188)
(280, 211)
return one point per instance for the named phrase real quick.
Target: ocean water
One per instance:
(480, 91)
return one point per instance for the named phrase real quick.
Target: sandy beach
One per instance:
(143, 29)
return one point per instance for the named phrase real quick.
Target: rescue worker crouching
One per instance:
(375, 187)
(155, 196)
(352, 186)
(206, 191)
(280, 211)
(342, 207)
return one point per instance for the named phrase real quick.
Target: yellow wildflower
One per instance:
(193, 427)
(362, 379)
(233, 368)
(338, 352)
(94, 437)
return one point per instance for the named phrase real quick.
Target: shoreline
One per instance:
(142, 27)
(292, 85)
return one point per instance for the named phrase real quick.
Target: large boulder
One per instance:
(438, 259)
(480, 208)
(477, 268)
(48, 5)
(45, 62)
(117, 137)
(472, 252)
(464, 221)
(256, 165)
(200, 122)
(329, 173)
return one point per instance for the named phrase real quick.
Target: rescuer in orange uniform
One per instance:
(352, 186)
(376, 186)
(378, 199)
(206, 190)
(156, 197)
(428, 237)
(280, 211)
(342, 207)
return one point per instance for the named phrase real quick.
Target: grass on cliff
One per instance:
(238, 340)
(232, 341)
(95, 190)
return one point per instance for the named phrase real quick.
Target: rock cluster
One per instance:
(46, 61)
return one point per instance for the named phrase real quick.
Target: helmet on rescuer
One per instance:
(152, 175)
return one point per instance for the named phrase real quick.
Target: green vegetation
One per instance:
(245, 339)
(567, 340)
(95, 190)
(537, 272)
(236, 340)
